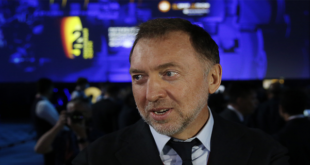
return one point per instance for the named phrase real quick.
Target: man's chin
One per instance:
(165, 128)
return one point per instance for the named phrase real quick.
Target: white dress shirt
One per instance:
(200, 154)
(237, 112)
(46, 111)
(296, 116)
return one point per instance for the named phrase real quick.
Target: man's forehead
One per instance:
(170, 44)
(155, 61)
(150, 53)
(168, 35)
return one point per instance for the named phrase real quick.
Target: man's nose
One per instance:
(155, 90)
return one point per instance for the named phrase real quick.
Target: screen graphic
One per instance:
(75, 38)
(67, 39)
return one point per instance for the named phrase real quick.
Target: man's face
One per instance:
(50, 92)
(84, 108)
(169, 82)
(84, 86)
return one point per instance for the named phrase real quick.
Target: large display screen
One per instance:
(67, 39)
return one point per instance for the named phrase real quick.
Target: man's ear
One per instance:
(214, 78)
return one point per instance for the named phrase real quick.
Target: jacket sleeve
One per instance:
(81, 158)
(280, 155)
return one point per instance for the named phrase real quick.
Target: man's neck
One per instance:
(195, 127)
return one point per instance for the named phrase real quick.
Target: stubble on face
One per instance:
(180, 120)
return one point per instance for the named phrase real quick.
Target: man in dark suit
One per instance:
(174, 68)
(106, 111)
(296, 134)
(242, 102)
(267, 117)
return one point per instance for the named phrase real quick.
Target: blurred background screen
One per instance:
(67, 39)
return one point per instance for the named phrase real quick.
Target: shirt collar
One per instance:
(41, 96)
(204, 135)
(240, 116)
(296, 116)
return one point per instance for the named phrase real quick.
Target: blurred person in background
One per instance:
(81, 84)
(129, 113)
(267, 116)
(103, 89)
(295, 135)
(242, 102)
(44, 114)
(63, 145)
(106, 111)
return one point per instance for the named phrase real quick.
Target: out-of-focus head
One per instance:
(82, 83)
(45, 87)
(243, 97)
(103, 87)
(174, 67)
(81, 105)
(112, 90)
(274, 90)
(293, 102)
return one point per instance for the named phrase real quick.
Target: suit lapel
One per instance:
(226, 146)
(140, 148)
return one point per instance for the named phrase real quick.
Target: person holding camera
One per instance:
(63, 145)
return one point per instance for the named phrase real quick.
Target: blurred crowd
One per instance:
(278, 111)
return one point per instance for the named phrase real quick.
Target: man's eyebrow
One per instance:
(167, 65)
(132, 70)
(160, 67)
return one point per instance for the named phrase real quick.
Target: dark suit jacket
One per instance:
(128, 116)
(105, 115)
(231, 144)
(231, 116)
(296, 137)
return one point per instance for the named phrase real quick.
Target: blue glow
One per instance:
(32, 59)
(198, 24)
(29, 69)
(38, 29)
(55, 90)
(17, 60)
(60, 102)
(42, 61)
(120, 77)
(67, 93)
(288, 23)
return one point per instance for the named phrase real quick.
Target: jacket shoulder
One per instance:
(115, 139)
(103, 150)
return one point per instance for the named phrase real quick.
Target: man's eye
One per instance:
(170, 74)
(137, 77)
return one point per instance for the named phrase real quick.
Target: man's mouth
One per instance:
(161, 112)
